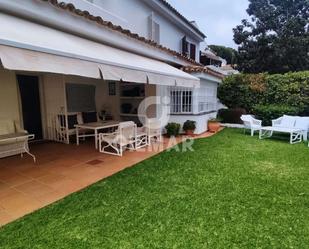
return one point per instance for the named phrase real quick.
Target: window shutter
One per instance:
(153, 29)
(156, 32)
(192, 51)
(185, 46)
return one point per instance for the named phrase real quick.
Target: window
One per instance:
(188, 49)
(154, 29)
(111, 88)
(206, 99)
(185, 46)
(181, 100)
(192, 51)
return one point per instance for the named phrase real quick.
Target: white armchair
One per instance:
(154, 130)
(251, 123)
(115, 143)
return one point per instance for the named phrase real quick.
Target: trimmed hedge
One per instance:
(269, 112)
(267, 95)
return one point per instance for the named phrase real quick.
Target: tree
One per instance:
(229, 54)
(276, 39)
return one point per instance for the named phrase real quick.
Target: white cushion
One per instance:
(302, 123)
(287, 121)
(7, 126)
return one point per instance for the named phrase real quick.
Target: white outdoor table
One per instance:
(295, 134)
(95, 127)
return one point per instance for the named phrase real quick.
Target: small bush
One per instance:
(269, 112)
(172, 129)
(231, 116)
(189, 125)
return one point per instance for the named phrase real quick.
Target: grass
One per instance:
(233, 191)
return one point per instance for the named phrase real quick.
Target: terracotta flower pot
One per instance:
(213, 126)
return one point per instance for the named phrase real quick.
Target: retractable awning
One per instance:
(29, 46)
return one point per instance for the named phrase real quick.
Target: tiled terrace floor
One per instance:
(60, 170)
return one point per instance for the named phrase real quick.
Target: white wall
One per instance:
(200, 119)
(9, 96)
(133, 15)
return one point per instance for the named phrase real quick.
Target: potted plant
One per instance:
(172, 129)
(213, 125)
(189, 127)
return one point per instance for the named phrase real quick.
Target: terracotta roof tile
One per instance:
(202, 69)
(85, 14)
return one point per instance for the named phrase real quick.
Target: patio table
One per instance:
(295, 134)
(95, 127)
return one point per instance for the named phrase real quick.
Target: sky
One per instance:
(215, 18)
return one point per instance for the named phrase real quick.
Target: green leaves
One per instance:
(277, 38)
(251, 90)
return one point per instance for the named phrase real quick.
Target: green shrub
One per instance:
(251, 90)
(189, 125)
(269, 112)
(172, 129)
(231, 116)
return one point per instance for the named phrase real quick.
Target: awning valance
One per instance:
(26, 60)
(39, 48)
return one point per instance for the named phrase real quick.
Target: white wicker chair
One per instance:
(13, 139)
(115, 143)
(153, 130)
(251, 123)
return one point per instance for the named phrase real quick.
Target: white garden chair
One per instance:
(251, 123)
(154, 130)
(115, 143)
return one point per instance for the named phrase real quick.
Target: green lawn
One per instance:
(233, 191)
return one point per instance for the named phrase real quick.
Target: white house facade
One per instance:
(107, 56)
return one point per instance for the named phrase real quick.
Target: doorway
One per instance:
(31, 106)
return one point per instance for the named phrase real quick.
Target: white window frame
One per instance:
(181, 100)
(206, 99)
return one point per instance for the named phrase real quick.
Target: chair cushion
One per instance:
(89, 117)
(72, 120)
(287, 121)
(302, 123)
(7, 127)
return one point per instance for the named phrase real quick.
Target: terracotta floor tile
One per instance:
(18, 203)
(8, 191)
(51, 197)
(5, 217)
(51, 178)
(33, 172)
(34, 188)
(16, 179)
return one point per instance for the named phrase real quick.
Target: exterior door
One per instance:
(30, 101)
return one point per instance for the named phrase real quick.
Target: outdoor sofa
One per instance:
(297, 127)
(13, 139)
